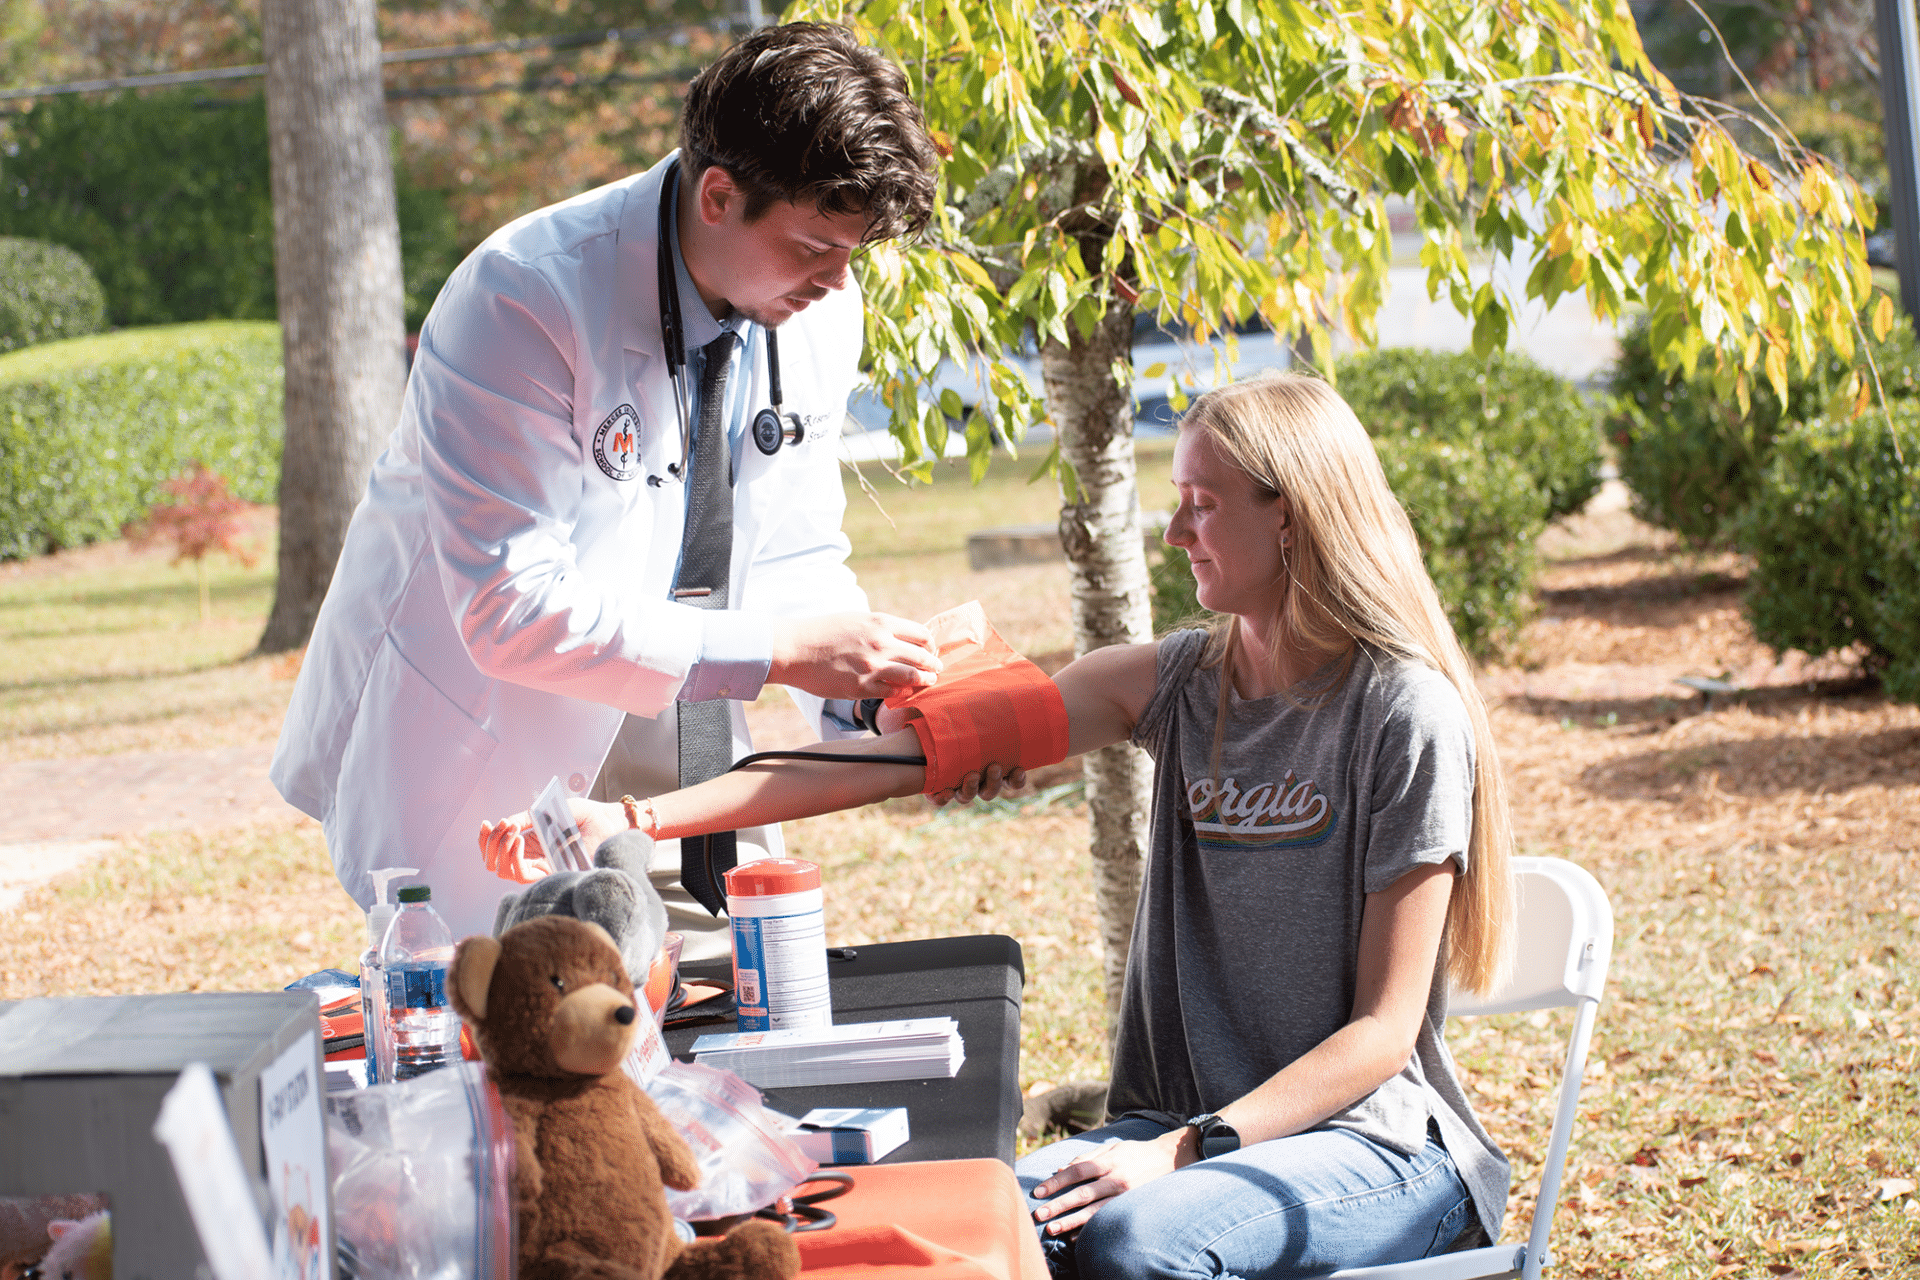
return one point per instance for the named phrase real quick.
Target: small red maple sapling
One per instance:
(198, 516)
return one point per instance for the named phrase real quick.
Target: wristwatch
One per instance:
(1214, 1136)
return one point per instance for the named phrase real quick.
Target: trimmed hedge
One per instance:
(1693, 460)
(47, 292)
(1505, 404)
(1834, 528)
(90, 428)
(168, 196)
(1477, 512)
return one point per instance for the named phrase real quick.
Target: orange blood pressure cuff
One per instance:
(991, 705)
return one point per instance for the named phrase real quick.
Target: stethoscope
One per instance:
(771, 427)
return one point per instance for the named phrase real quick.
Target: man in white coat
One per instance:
(523, 594)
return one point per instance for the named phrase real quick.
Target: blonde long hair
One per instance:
(1355, 574)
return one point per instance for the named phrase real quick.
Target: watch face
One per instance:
(1216, 1136)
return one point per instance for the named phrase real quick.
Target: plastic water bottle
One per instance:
(418, 947)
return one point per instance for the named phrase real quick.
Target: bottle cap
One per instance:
(771, 875)
(417, 893)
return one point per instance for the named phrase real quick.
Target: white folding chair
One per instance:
(1564, 928)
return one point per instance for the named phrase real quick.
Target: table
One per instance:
(976, 981)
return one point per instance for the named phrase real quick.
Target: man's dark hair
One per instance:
(807, 114)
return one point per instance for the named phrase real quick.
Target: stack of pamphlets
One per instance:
(854, 1053)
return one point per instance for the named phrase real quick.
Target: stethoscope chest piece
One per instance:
(771, 429)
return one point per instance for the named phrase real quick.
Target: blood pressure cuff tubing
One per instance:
(991, 705)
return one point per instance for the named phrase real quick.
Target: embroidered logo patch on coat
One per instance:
(615, 444)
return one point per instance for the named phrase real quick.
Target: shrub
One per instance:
(1506, 404)
(46, 292)
(1477, 512)
(1834, 529)
(169, 198)
(91, 428)
(1693, 459)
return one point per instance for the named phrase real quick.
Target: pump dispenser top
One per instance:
(381, 913)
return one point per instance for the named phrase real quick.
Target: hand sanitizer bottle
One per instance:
(373, 978)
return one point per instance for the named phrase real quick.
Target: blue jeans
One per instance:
(1295, 1206)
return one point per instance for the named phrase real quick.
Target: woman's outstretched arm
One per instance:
(1104, 694)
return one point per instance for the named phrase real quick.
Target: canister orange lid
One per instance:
(767, 876)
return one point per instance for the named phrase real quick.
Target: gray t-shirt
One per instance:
(1246, 942)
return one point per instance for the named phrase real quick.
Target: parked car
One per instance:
(1163, 357)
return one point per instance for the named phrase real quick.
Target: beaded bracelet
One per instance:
(632, 806)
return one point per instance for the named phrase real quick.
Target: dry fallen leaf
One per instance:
(1894, 1188)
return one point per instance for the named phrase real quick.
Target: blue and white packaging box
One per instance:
(850, 1135)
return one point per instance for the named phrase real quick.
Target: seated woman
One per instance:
(1329, 846)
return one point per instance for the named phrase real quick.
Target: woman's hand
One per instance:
(1075, 1193)
(511, 849)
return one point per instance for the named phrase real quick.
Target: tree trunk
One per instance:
(1100, 529)
(336, 249)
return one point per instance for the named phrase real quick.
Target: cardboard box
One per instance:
(81, 1081)
(850, 1135)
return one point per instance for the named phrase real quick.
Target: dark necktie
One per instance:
(706, 555)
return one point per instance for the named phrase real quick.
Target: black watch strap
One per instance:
(1214, 1136)
(867, 712)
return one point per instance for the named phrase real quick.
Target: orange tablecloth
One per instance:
(938, 1219)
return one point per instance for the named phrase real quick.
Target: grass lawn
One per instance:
(1751, 1108)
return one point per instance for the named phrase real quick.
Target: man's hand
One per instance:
(852, 655)
(511, 849)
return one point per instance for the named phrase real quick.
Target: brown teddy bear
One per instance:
(553, 1012)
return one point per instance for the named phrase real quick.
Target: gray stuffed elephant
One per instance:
(616, 895)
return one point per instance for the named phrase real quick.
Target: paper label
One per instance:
(648, 1056)
(293, 1137)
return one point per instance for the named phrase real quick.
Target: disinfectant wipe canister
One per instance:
(779, 945)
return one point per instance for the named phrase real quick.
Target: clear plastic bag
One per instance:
(746, 1160)
(423, 1181)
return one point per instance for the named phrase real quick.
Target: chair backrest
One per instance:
(1563, 940)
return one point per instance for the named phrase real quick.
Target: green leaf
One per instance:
(1490, 326)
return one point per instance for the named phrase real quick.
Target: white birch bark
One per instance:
(1100, 530)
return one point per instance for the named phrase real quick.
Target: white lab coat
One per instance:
(502, 599)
